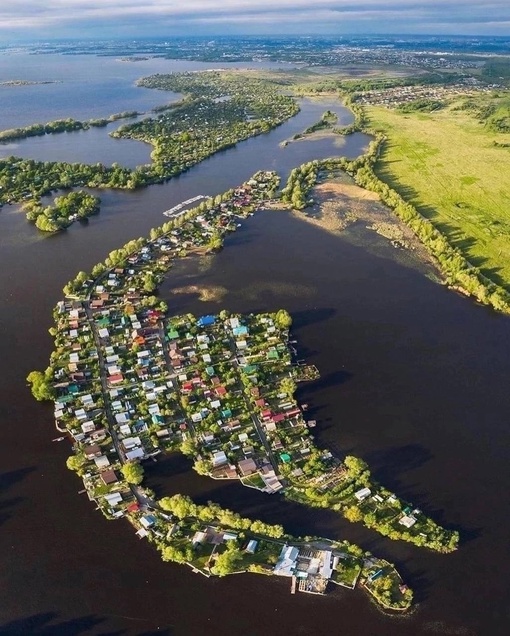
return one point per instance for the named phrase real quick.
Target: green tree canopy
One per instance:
(77, 463)
(41, 385)
(133, 473)
(283, 319)
(229, 561)
(180, 505)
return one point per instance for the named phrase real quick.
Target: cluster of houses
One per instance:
(216, 361)
(400, 95)
(115, 367)
(130, 382)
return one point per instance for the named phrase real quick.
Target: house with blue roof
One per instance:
(206, 321)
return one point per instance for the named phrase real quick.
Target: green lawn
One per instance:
(347, 571)
(446, 164)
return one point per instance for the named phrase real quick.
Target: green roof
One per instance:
(285, 457)
(65, 398)
(173, 334)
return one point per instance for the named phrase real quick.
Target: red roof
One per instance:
(134, 507)
(279, 417)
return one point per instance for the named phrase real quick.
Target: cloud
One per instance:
(156, 17)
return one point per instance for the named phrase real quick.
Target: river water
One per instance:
(414, 380)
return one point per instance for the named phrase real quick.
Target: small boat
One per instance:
(59, 439)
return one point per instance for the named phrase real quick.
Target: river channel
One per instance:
(414, 380)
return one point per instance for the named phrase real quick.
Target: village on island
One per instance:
(130, 381)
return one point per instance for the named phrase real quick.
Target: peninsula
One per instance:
(130, 381)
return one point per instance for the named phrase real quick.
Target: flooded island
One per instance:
(130, 381)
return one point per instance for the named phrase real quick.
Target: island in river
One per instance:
(130, 382)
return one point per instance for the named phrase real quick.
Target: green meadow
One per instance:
(447, 164)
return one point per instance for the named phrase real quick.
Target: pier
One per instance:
(180, 207)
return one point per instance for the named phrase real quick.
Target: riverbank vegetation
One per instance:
(62, 125)
(65, 210)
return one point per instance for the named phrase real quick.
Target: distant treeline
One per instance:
(493, 111)
(496, 69)
(421, 105)
(377, 84)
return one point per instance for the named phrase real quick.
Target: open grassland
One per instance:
(447, 165)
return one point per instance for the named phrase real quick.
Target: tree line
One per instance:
(62, 125)
(183, 507)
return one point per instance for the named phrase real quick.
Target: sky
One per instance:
(34, 19)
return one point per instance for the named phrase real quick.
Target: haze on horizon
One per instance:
(54, 19)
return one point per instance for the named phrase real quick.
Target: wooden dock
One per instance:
(179, 208)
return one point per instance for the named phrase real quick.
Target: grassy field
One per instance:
(446, 164)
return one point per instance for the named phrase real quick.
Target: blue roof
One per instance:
(206, 320)
(240, 331)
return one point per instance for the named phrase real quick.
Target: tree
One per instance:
(215, 242)
(180, 505)
(175, 553)
(189, 447)
(133, 473)
(202, 467)
(283, 319)
(353, 514)
(40, 385)
(77, 463)
(228, 561)
(149, 282)
(288, 386)
(355, 465)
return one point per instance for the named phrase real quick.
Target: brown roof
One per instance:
(247, 466)
(91, 450)
(109, 476)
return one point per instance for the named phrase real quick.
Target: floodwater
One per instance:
(414, 380)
